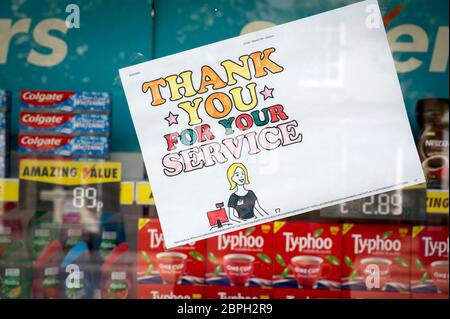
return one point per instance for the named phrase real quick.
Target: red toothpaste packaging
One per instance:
(376, 261)
(429, 270)
(65, 101)
(168, 273)
(64, 123)
(63, 146)
(240, 263)
(306, 260)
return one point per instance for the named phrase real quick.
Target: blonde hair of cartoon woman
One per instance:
(232, 169)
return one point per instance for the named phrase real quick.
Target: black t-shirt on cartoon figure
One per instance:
(243, 203)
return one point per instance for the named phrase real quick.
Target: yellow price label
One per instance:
(69, 173)
(126, 193)
(9, 190)
(144, 194)
(437, 201)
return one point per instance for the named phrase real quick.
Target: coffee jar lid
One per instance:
(434, 110)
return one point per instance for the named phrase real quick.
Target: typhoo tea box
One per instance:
(307, 260)
(376, 261)
(168, 273)
(429, 270)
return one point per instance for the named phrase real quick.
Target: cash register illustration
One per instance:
(218, 217)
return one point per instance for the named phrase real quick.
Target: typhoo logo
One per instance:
(377, 244)
(308, 242)
(239, 241)
(435, 248)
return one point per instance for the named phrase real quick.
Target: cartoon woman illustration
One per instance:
(243, 202)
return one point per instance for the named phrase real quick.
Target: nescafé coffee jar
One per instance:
(432, 115)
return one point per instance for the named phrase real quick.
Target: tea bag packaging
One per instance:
(429, 264)
(306, 260)
(376, 261)
(168, 273)
(239, 264)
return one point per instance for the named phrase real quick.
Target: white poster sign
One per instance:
(271, 124)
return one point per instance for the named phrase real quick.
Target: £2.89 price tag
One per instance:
(403, 204)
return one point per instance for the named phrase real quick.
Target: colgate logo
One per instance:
(239, 241)
(435, 248)
(44, 98)
(379, 244)
(39, 142)
(309, 242)
(43, 142)
(44, 120)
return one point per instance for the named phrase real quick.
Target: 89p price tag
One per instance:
(86, 197)
(66, 185)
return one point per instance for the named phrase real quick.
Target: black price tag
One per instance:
(65, 185)
(405, 204)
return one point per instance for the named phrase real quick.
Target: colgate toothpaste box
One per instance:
(64, 123)
(63, 146)
(307, 260)
(241, 258)
(183, 265)
(235, 292)
(376, 261)
(171, 292)
(33, 100)
(429, 271)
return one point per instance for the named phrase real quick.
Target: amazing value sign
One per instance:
(272, 124)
